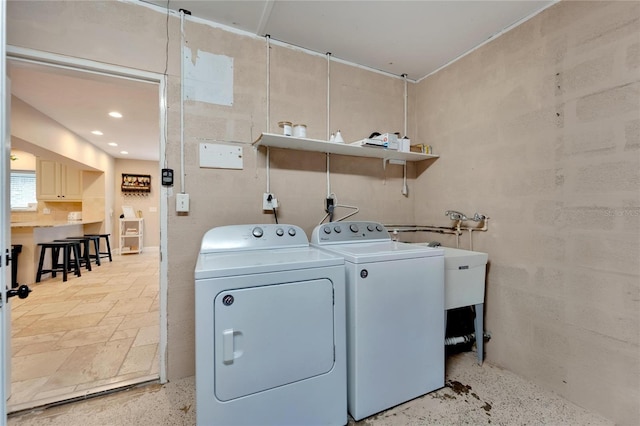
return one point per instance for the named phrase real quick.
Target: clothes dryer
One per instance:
(395, 315)
(270, 329)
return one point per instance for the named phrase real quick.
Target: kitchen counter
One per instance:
(51, 224)
(29, 234)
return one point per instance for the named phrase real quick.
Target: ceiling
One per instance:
(81, 102)
(395, 36)
(413, 37)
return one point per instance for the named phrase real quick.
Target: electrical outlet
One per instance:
(182, 203)
(269, 201)
(330, 205)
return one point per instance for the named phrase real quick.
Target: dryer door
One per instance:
(273, 335)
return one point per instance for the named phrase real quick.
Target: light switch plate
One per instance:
(182, 203)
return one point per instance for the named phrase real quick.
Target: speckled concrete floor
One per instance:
(475, 395)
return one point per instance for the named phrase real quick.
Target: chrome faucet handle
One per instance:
(477, 217)
(455, 215)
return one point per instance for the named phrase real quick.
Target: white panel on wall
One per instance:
(219, 156)
(208, 77)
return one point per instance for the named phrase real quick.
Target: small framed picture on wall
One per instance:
(135, 183)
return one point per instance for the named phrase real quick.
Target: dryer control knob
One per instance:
(379, 228)
(370, 228)
(279, 232)
(292, 232)
(337, 229)
(326, 230)
(257, 232)
(353, 227)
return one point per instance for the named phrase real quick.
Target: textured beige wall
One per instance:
(539, 129)
(148, 204)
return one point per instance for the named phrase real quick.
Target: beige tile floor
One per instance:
(90, 333)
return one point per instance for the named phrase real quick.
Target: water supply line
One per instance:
(456, 230)
(467, 338)
(485, 223)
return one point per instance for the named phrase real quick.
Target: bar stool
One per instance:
(55, 246)
(75, 259)
(102, 253)
(85, 258)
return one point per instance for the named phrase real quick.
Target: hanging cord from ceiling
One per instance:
(268, 108)
(405, 188)
(328, 119)
(182, 42)
(166, 82)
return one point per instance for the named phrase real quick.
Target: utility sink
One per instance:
(464, 277)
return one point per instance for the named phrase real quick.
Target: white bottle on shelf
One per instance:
(338, 138)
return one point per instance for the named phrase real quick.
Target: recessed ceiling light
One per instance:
(124, 152)
(112, 144)
(97, 132)
(115, 114)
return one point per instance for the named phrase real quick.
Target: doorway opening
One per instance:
(105, 329)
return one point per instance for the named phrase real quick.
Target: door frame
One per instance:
(85, 65)
(5, 232)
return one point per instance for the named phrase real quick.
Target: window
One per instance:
(23, 190)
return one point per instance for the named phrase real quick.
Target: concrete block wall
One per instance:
(538, 129)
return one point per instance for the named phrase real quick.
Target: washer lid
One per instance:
(382, 251)
(233, 263)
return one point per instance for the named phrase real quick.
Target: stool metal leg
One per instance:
(65, 260)
(108, 248)
(87, 259)
(75, 247)
(41, 264)
(479, 329)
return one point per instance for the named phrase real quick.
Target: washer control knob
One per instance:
(257, 232)
(337, 229)
(326, 229)
(353, 227)
(279, 232)
(379, 228)
(370, 228)
(292, 231)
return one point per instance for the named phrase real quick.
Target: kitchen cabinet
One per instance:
(57, 182)
(131, 235)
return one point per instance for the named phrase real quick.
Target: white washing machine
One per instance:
(270, 329)
(395, 321)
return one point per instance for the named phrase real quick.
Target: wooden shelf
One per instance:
(303, 144)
